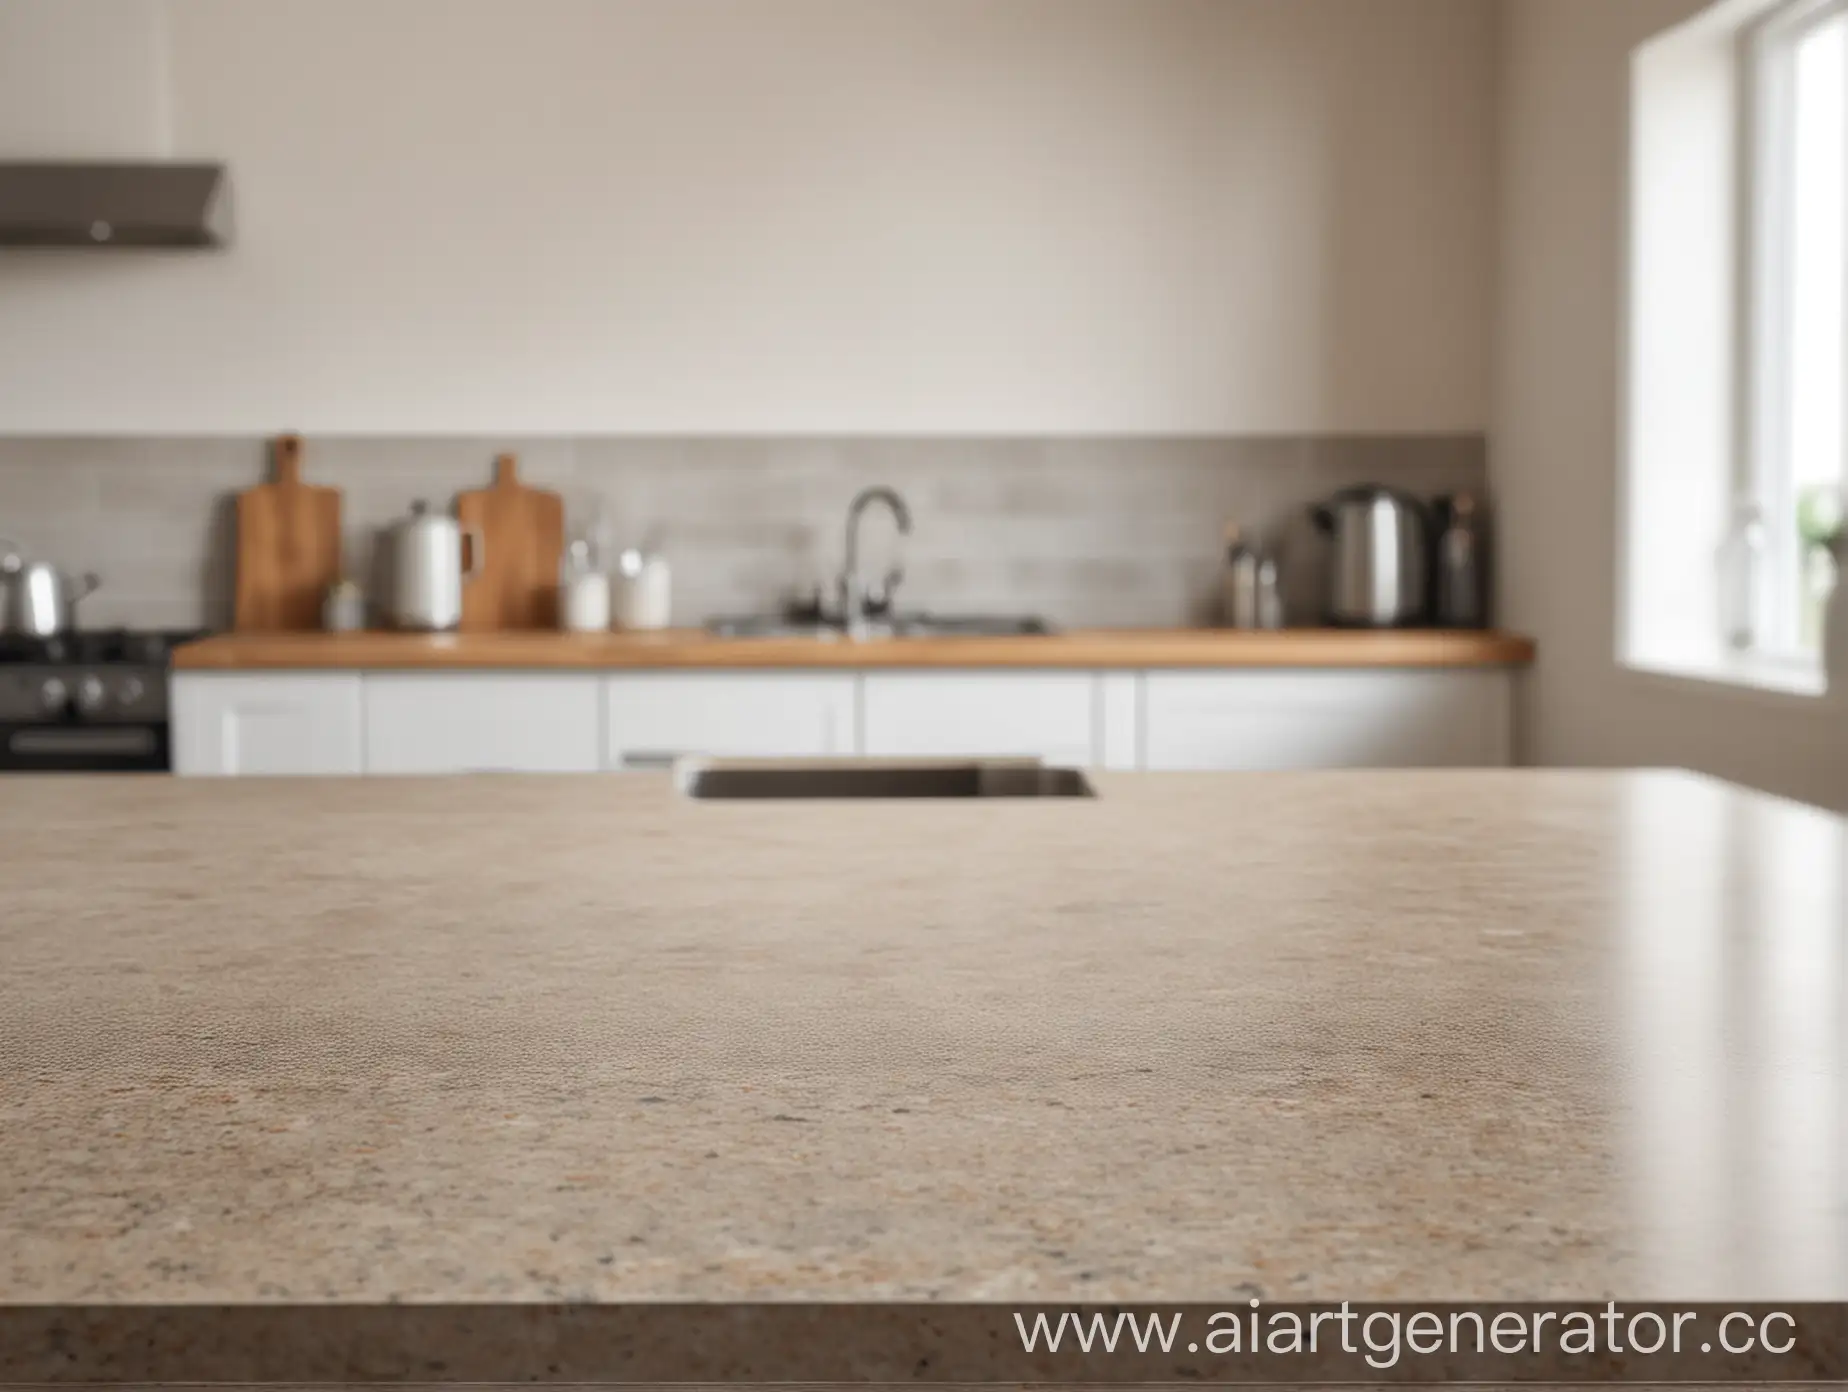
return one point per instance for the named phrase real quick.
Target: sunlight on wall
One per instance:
(1682, 331)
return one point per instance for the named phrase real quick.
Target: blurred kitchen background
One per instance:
(1086, 533)
(1084, 280)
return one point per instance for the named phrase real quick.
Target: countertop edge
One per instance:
(1126, 649)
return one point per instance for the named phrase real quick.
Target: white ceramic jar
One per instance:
(642, 591)
(584, 604)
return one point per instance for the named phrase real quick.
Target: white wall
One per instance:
(1554, 462)
(757, 216)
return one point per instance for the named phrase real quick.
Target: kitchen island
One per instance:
(1509, 1035)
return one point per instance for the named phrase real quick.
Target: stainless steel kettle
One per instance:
(430, 557)
(1379, 558)
(36, 598)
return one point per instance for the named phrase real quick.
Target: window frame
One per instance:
(1763, 479)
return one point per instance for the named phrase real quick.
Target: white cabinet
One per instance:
(1119, 720)
(652, 718)
(1049, 715)
(482, 722)
(580, 722)
(1326, 719)
(255, 724)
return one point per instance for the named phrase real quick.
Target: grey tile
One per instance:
(31, 503)
(1095, 531)
(438, 461)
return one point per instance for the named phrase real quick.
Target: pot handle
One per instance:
(88, 584)
(1323, 518)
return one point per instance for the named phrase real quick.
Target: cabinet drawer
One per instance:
(1047, 715)
(481, 723)
(1363, 719)
(650, 719)
(236, 725)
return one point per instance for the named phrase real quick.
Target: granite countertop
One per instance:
(1429, 1035)
(693, 648)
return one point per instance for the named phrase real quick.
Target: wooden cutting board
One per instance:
(288, 547)
(520, 533)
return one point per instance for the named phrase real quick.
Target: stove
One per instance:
(86, 702)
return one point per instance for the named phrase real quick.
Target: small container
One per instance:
(1834, 618)
(583, 592)
(641, 591)
(1270, 595)
(1741, 562)
(343, 608)
(1462, 576)
(1240, 588)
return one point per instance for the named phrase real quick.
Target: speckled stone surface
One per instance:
(1424, 1035)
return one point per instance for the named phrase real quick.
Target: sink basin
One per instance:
(898, 626)
(969, 625)
(774, 626)
(861, 779)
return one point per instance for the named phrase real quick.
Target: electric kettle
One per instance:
(1379, 557)
(428, 568)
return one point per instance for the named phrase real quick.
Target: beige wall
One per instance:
(1044, 217)
(1556, 423)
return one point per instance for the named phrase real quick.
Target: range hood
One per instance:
(147, 203)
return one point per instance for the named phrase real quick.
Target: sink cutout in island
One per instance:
(728, 780)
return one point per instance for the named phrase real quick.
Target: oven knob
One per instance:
(53, 695)
(92, 695)
(130, 690)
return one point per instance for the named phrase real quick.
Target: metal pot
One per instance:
(1379, 562)
(430, 558)
(37, 600)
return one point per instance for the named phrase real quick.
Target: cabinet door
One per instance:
(653, 718)
(233, 724)
(1046, 715)
(481, 722)
(1345, 719)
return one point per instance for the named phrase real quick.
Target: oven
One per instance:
(72, 748)
(86, 702)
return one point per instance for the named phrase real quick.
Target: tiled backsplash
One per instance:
(1086, 532)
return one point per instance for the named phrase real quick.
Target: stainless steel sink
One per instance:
(898, 626)
(970, 625)
(866, 779)
(774, 626)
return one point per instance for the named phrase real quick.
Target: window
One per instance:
(1734, 450)
(1777, 569)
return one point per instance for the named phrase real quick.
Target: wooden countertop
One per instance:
(684, 648)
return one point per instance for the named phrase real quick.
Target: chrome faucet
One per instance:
(858, 602)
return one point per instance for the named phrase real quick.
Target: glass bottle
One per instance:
(1742, 559)
(1239, 588)
(1462, 577)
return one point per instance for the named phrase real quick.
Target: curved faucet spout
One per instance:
(853, 589)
